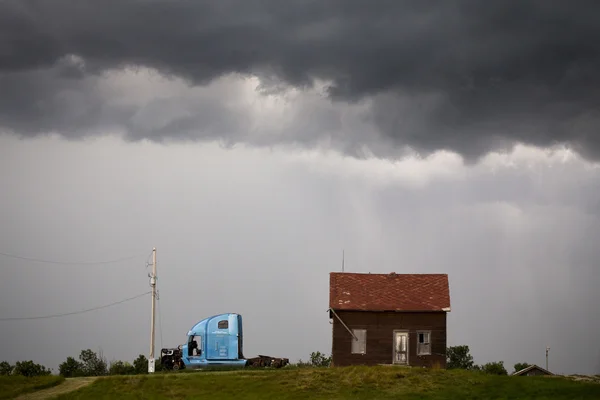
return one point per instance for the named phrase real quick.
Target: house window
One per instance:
(224, 324)
(359, 346)
(423, 343)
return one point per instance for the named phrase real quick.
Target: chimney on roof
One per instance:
(392, 273)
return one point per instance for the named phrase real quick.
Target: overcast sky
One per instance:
(251, 142)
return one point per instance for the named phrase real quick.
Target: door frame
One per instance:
(407, 332)
(214, 343)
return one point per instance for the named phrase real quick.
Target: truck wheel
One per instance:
(176, 367)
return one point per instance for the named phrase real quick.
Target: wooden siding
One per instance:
(380, 328)
(535, 372)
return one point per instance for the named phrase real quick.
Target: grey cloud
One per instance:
(466, 75)
(253, 220)
(53, 99)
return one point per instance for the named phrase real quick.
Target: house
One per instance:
(388, 318)
(532, 370)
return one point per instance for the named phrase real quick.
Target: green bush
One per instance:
(302, 364)
(458, 357)
(5, 368)
(30, 369)
(520, 366)
(121, 368)
(71, 368)
(494, 368)
(317, 359)
(93, 364)
(141, 364)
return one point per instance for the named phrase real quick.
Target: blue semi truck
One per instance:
(216, 341)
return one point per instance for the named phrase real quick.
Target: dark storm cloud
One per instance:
(464, 75)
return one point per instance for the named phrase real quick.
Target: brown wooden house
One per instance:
(389, 318)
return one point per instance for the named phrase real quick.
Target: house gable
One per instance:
(532, 370)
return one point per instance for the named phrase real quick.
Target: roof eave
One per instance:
(445, 309)
(527, 369)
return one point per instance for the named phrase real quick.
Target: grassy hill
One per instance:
(336, 383)
(13, 386)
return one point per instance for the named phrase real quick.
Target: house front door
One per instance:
(401, 348)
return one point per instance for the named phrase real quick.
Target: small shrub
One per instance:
(121, 368)
(317, 359)
(494, 368)
(302, 364)
(140, 364)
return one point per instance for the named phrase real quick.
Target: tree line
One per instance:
(90, 363)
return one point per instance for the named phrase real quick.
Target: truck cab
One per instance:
(215, 341)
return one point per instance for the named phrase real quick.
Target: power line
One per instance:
(75, 312)
(67, 262)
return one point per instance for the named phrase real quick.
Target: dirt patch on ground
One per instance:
(585, 378)
(69, 385)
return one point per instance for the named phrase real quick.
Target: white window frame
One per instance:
(424, 349)
(359, 346)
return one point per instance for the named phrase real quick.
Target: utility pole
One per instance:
(153, 285)
(547, 349)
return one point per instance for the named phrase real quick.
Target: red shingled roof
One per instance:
(389, 292)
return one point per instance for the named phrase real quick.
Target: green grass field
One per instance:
(13, 386)
(336, 383)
